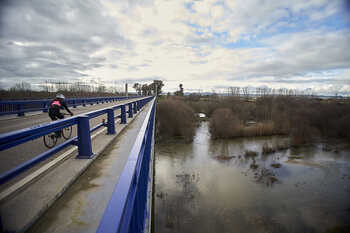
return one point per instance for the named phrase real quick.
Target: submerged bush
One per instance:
(266, 149)
(175, 119)
(250, 153)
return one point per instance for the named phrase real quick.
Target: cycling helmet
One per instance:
(60, 96)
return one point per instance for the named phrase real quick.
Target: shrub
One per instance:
(303, 118)
(266, 149)
(250, 153)
(282, 146)
(224, 124)
(175, 119)
(259, 129)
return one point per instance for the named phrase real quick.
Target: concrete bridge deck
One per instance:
(81, 206)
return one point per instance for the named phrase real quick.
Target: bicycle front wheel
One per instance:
(67, 132)
(50, 140)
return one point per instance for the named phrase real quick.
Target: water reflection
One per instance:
(213, 186)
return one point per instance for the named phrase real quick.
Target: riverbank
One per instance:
(305, 120)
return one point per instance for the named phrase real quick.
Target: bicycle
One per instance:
(50, 139)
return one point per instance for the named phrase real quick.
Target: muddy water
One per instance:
(212, 186)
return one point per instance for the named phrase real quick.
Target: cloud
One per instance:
(54, 40)
(201, 44)
(300, 53)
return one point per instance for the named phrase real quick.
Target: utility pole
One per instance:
(126, 89)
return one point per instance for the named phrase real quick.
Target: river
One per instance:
(212, 186)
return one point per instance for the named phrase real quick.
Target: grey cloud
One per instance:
(138, 67)
(301, 54)
(132, 80)
(311, 80)
(149, 32)
(54, 39)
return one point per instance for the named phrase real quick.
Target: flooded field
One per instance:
(242, 185)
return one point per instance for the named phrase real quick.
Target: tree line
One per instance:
(24, 90)
(154, 88)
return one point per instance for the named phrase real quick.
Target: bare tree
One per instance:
(138, 88)
(101, 88)
(23, 86)
(245, 92)
(235, 91)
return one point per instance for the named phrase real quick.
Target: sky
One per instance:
(206, 45)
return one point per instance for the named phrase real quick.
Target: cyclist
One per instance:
(54, 109)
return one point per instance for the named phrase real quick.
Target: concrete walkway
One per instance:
(81, 207)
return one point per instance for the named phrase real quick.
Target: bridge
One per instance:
(98, 180)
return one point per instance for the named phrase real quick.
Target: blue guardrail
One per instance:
(82, 141)
(129, 209)
(23, 106)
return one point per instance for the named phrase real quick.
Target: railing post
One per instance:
(84, 139)
(1, 225)
(44, 107)
(84, 103)
(130, 110)
(110, 121)
(19, 108)
(135, 107)
(123, 115)
(138, 105)
(74, 104)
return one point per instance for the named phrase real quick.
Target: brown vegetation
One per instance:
(250, 153)
(224, 124)
(29, 95)
(266, 149)
(304, 119)
(253, 165)
(48, 89)
(175, 119)
(282, 146)
(259, 129)
(276, 165)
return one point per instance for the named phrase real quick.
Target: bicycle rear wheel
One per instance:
(50, 140)
(67, 132)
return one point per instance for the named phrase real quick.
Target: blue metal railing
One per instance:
(127, 210)
(83, 140)
(23, 106)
